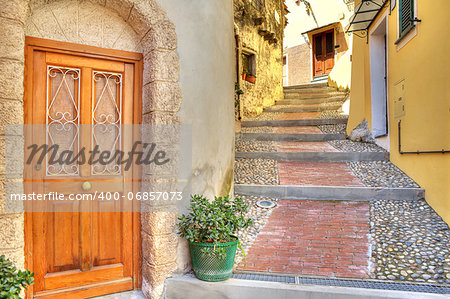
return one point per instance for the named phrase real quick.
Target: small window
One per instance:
(258, 4)
(249, 64)
(406, 16)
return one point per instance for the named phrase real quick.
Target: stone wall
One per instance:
(260, 34)
(12, 19)
(299, 64)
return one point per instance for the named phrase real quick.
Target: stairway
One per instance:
(297, 154)
(332, 216)
(309, 98)
(309, 116)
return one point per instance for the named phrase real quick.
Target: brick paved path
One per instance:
(313, 238)
(313, 146)
(316, 174)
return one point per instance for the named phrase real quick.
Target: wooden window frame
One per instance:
(252, 61)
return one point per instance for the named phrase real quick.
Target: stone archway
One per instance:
(132, 25)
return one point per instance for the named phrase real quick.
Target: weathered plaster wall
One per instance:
(269, 56)
(205, 47)
(206, 52)
(423, 63)
(299, 64)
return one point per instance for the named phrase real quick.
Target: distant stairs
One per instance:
(320, 79)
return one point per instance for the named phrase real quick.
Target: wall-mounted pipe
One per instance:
(417, 152)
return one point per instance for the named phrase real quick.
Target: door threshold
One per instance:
(89, 290)
(136, 294)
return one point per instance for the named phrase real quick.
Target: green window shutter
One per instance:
(406, 13)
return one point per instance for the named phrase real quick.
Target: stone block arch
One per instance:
(137, 26)
(132, 25)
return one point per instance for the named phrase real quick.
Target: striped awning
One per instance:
(365, 13)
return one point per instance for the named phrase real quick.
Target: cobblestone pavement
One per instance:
(313, 238)
(256, 129)
(254, 146)
(352, 146)
(299, 115)
(409, 242)
(259, 216)
(256, 171)
(333, 129)
(264, 116)
(381, 174)
(386, 240)
(332, 114)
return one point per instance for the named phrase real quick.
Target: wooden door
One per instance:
(323, 52)
(81, 248)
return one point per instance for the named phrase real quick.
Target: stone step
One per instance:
(315, 95)
(313, 108)
(189, 287)
(315, 156)
(320, 79)
(303, 86)
(290, 137)
(330, 193)
(311, 90)
(294, 123)
(300, 101)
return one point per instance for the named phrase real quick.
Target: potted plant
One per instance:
(210, 229)
(244, 75)
(250, 78)
(11, 280)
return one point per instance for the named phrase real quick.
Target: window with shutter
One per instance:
(406, 16)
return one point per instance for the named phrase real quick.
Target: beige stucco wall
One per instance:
(207, 83)
(269, 56)
(298, 64)
(170, 75)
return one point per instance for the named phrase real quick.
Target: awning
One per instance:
(365, 13)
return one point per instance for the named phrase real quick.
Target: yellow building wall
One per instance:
(424, 64)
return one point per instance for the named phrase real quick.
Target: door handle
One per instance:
(86, 186)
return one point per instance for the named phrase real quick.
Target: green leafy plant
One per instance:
(214, 222)
(237, 89)
(11, 280)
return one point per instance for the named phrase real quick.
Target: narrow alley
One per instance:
(343, 210)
